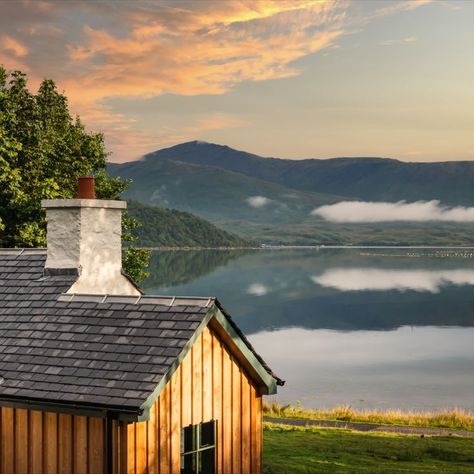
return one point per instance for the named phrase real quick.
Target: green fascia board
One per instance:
(214, 312)
(266, 378)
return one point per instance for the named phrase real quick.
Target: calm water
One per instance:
(373, 328)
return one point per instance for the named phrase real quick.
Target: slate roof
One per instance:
(93, 351)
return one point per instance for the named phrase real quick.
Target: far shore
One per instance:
(317, 247)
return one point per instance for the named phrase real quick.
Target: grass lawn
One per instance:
(303, 450)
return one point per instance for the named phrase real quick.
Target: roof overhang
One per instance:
(102, 411)
(225, 328)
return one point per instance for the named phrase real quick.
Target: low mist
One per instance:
(367, 212)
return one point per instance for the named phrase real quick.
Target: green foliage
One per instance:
(172, 228)
(134, 261)
(43, 151)
(304, 450)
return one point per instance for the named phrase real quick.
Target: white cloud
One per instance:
(419, 211)
(392, 42)
(258, 201)
(257, 289)
(371, 279)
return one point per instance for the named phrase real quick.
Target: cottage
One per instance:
(96, 377)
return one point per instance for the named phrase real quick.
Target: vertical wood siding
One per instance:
(208, 385)
(50, 443)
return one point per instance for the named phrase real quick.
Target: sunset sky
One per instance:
(292, 79)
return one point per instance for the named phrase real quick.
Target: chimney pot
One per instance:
(86, 187)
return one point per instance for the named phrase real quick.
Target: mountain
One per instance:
(216, 194)
(379, 179)
(167, 227)
(270, 199)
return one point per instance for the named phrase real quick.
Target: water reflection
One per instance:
(391, 329)
(310, 289)
(372, 279)
(410, 368)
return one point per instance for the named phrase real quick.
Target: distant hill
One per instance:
(270, 199)
(379, 179)
(216, 194)
(167, 227)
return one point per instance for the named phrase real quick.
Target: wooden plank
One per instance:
(7, 440)
(131, 443)
(217, 385)
(152, 442)
(65, 440)
(141, 447)
(158, 434)
(164, 407)
(122, 448)
(36, 442)
(176, 422)
(227, 411)
(186, 390)
(80, 445)
(96, 450)
(196, 351)
(236, 419)
(246, 415)
(50, 433)
(21, 440)
(257, 433)
(115, 447)
(207, 375)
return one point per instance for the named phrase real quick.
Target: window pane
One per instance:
(207, 434)
(207, 461)
(188, 464)
(190, 439)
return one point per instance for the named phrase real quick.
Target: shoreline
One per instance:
(317, 247)
(445, 419)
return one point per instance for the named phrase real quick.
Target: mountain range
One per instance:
(378, 179)
(271, 199)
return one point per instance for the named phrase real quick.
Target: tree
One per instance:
(43, 151)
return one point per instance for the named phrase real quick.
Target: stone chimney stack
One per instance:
(84, 238)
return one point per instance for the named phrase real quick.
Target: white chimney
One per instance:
(84, 237)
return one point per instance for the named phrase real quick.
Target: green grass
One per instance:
(305, 450)
(454, 419)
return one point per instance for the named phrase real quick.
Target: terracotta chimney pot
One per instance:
(86, 187)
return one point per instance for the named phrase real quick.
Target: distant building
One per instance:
(95, 377)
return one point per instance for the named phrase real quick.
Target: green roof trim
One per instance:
(268, 380)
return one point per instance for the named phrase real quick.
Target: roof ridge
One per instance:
(22, 251)
(166, 300)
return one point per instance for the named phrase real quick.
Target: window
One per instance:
(198, 448)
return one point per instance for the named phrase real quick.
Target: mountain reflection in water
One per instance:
(326, 289)
(375, 329)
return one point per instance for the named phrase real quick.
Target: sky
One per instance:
(290, 79)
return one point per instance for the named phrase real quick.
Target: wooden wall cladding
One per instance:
(208, 385)
(50, 443)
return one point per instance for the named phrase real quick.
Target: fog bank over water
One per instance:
(373, 279)
(369, 212)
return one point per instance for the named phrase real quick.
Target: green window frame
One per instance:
(198, 448)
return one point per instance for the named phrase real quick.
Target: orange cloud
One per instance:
(401, 6)
(250, 44)
(146, 49)
(190, 51)
(13, 46)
